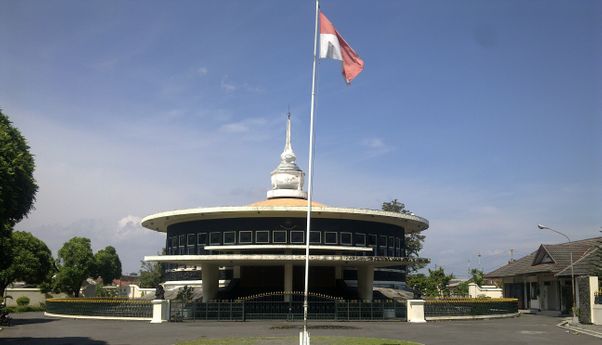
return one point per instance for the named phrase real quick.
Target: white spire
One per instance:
(287, 178)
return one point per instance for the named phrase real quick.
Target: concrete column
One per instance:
(210, 281)
(525, 295)
(365, 282)
(338, 272)
(236, 269)
(288, 280)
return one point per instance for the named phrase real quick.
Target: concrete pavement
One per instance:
(35, 329)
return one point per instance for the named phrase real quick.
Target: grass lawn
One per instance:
(317, 340)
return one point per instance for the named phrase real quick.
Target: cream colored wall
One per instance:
(34, 294)
(490, 291)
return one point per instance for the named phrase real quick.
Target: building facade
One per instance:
(236, 251)
(542, 280)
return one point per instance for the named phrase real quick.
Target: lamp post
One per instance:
(543, 227)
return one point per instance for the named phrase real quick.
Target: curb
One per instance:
(565, 324)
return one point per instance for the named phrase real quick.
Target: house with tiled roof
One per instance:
(542, 279)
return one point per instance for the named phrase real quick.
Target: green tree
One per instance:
(107, 264)
(75, 264)
(32, 261)
(151, 274)
(433, 285)
(17, 184)
(477, 276)
(413, 241)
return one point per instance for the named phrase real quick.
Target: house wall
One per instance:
(35, 295)
(490, 291)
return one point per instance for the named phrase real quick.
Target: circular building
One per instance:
(243, 250)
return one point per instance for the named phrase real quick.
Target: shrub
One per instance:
(23, 301)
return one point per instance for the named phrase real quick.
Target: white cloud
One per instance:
(227, 85)
(202, 71)
(376, 146)
(244, 126)
(230, 86)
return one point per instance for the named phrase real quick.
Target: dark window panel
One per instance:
(346, 238)
(315, 237)
(262, 236)
(215, 238)
(330, 238)
(279, 236)
(297, 237)
(202, 238)
(359, 239)
(245, 237)
(230, 237)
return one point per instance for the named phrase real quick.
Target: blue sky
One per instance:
(484, 117)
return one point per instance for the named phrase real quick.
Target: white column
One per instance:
(210, 281)
(288, 280)
(365, 282)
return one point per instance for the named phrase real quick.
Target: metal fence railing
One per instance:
(469, 307)
(241, 310)
(111, 307)
(598, 298)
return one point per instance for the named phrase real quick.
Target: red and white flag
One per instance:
(333, 46)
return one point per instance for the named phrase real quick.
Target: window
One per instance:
(182, 243)
(245, 237)
(360, 239)
(191, 239)
(279, 236)
(262, 236)
(297, 237)
(391, 246)
(346, 238)
(330, 238)
(182, 240)
(215, 238)
(315, 237)
(398, 247)
(202, 238)
(382, 241)
(372, 240)
(229, 237)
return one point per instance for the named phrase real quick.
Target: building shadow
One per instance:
(52, 341)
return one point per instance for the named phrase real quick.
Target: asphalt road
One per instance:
(34, 328)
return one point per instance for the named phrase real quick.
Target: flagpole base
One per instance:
(303, 338)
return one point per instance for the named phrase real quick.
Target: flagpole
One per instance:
(310, 179)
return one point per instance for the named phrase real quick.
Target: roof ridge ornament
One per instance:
(287, 178)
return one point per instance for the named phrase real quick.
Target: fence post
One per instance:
(160, 311)
(415, 310)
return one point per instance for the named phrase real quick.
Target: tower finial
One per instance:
(287, 178)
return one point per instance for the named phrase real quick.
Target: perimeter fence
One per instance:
(109, 307)
(469, 307)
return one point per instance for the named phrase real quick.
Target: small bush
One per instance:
(23, 301)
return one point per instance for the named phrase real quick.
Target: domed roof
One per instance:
(285, 202)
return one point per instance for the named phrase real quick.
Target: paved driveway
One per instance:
(34, 328)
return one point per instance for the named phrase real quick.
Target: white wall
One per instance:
(490, 291)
